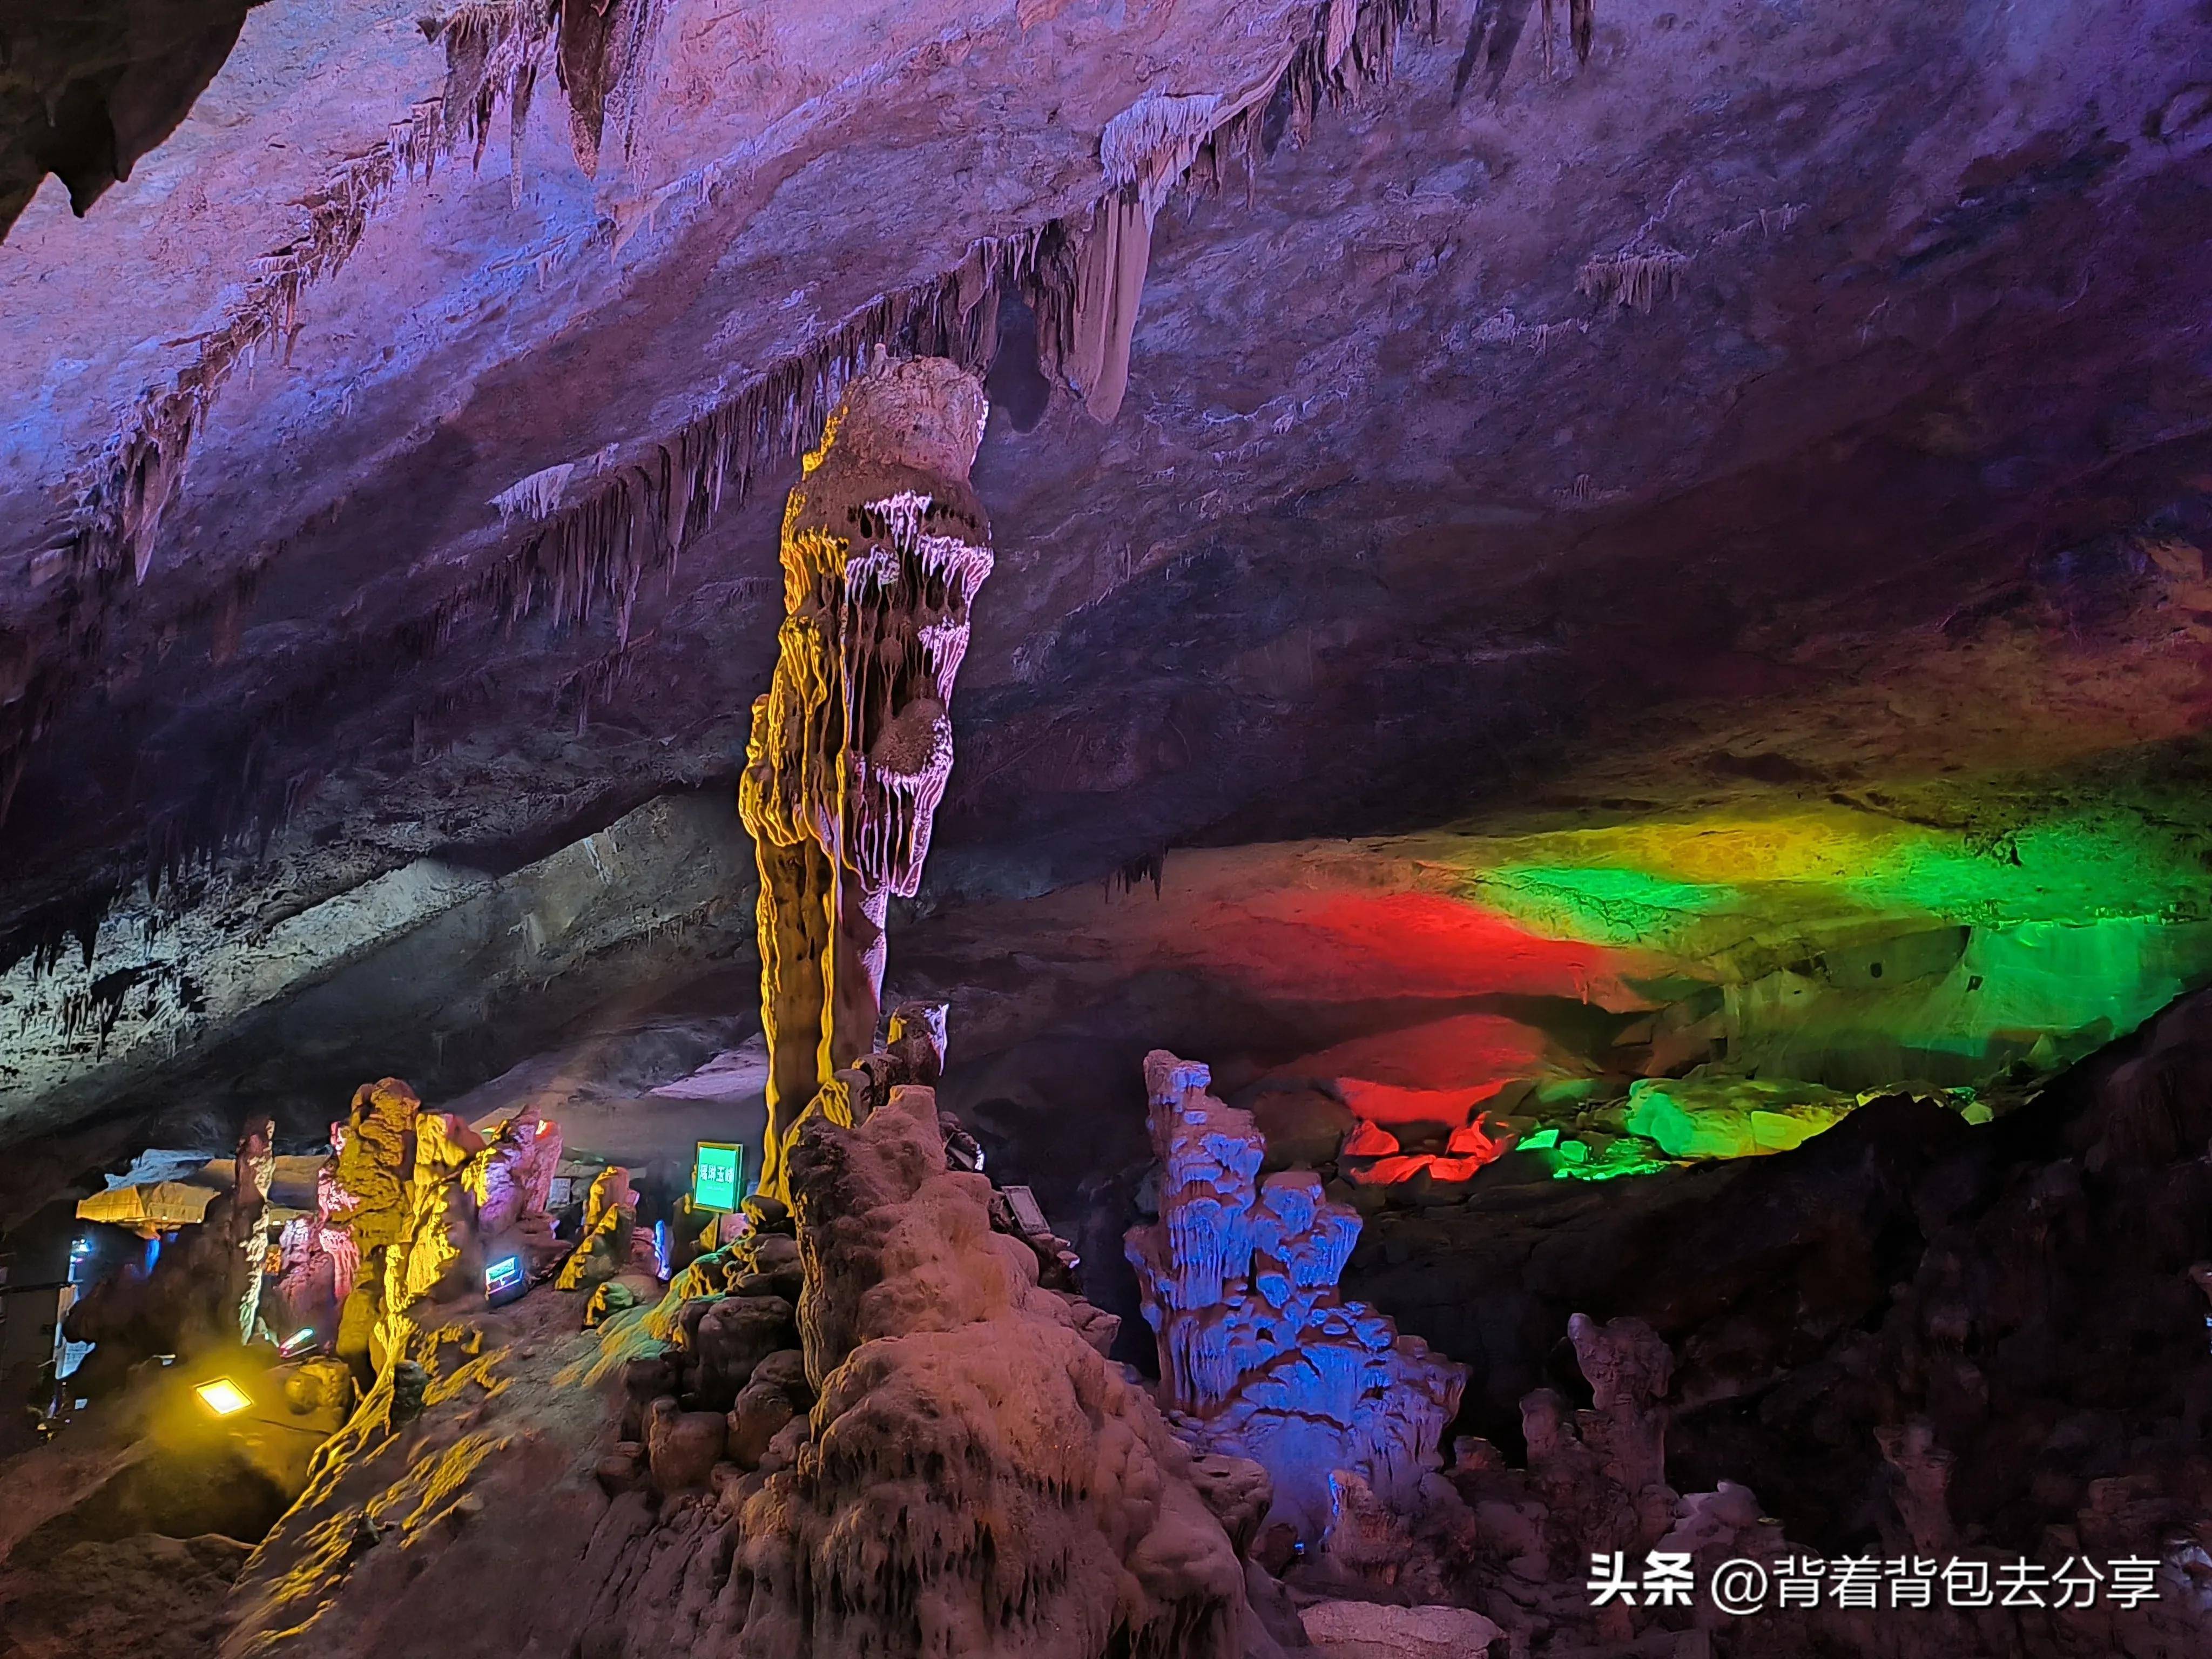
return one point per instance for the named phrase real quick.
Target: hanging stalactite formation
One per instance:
(581, 551)
(885, 546)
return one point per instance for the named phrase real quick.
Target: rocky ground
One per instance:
(1910, 1334)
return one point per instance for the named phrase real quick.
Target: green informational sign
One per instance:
(717, 1176)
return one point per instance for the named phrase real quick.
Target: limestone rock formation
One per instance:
(318, 1261)
(1355, 1630)
(1708, 1114)
(602, 1249)
(373, 1160)
(775, 1393)
(1259, 1355)
(247, 1222)
(1628, 1368)
(975, 1477)
(885, 545)
(203, 1292)
(1922, 1471)
(512, 1180)
(435, 1257)
(729, 1341)
(1305, 1122)
(398, 1191)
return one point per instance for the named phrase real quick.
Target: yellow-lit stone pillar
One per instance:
(885, 546)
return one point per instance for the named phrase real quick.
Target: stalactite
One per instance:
(1342, 15)
(1150, 145)
(44, 935)
(636, 519)
(603, 48)
(1492, 35)
(122, 493)
(1581, 21)
(885, 546)
(1635, 280)
(535, 496)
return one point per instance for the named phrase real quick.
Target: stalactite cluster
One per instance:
(111, 533)
(885, 546)
(587, 558)
(1633, 280)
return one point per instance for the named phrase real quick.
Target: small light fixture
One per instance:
(299, 1340)
(223, 1396)
(503, 1274)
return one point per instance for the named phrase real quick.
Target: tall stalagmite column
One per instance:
(885, 545)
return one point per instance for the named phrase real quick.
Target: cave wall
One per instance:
(436, 972)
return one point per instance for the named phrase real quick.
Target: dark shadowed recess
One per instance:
(88, 87)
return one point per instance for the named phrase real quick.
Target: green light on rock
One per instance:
(1624, 1157)
(1604, 904)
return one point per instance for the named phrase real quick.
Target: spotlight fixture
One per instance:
(223, 1396)
(292, 1345)
(504, 1276)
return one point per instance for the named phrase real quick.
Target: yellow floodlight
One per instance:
(223, 1396)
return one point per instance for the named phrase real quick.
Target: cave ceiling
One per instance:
(1786, 408)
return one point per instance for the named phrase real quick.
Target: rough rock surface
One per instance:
(603, 1245)
(976, 1477)
(512, 1178)
(1259, 1356)
(2083, 1210)
(318, 1261)
(400, 1192)
(203, 1293)
(1930, 262)
(88, 89)
(885, 546)
(1368, 1630)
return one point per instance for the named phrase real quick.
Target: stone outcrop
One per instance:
(1712, 1115)
(246, 1224)
(402, 1197)
(1628, 1369)
(975, 1477)
(1922, 1471)
(513, 1180)
(204, 1289)
(602, 1249)
(437, 1255)
(318, 1261)
(1467, 1149)
(775, 1393)
(1370, 1630)
(885, 545)
(1260, 1356)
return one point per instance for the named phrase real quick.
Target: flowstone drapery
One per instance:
(885, 546)
(1259, 1358)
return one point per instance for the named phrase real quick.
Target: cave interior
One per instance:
(1106, 829)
